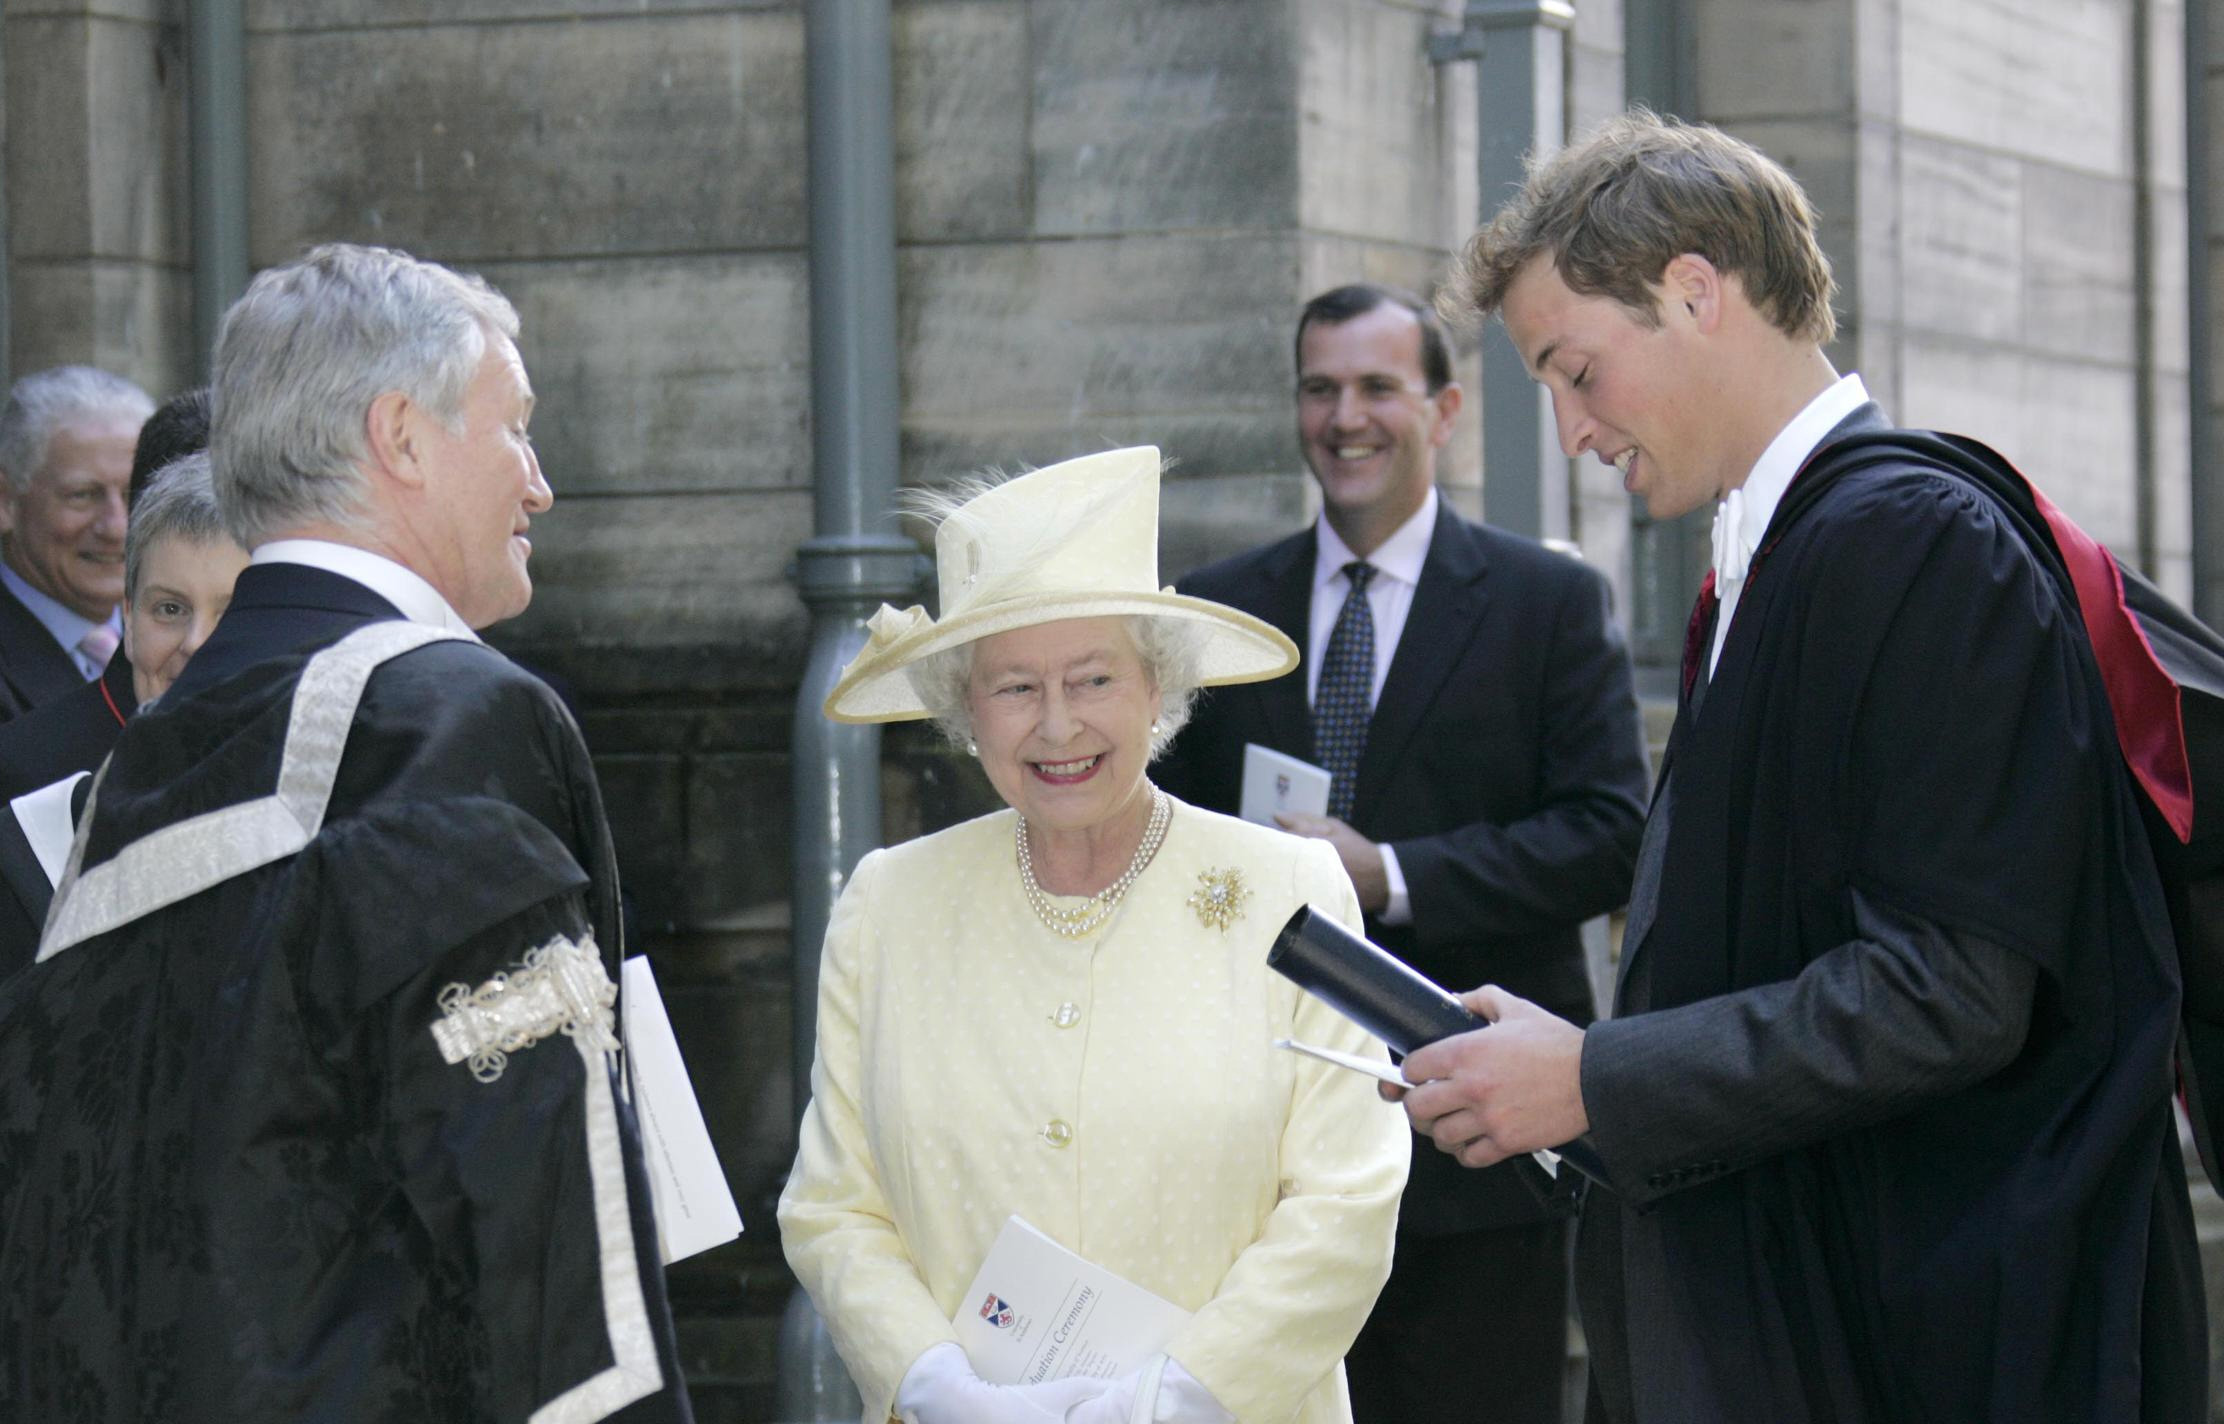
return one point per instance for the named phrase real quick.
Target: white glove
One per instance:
(941, 1388)
(1176, 1398)
(1111, 1407)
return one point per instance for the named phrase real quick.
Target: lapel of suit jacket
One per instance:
(1288, 605)
(37, 667)
(20, 869)
(1447, 609)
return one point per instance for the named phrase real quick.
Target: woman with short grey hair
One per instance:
(180, 563)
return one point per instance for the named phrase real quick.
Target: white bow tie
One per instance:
(1732, 552)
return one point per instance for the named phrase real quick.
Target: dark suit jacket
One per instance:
(70, 734)
(25, 894)
(1505, 764)
(34, 669)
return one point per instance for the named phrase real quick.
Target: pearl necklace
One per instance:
(1094, 911)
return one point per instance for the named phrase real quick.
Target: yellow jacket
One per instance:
(1120, 1092)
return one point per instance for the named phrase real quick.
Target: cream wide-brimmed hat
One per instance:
(1075, 540)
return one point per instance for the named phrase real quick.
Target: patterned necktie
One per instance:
(97, 647)
(1698, 634)
(1345, 698)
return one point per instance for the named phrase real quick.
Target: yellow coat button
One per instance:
(1057, 1132)
(1067, 1016)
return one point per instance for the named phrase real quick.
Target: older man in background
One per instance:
(312, 1107)
(66, 441)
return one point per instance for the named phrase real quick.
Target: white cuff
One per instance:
(1181, 1400)
(1400, 909)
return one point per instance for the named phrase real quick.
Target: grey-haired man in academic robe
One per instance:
(313, 1105)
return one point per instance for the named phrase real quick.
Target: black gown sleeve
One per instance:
(1907, 1011)
(524, 1168)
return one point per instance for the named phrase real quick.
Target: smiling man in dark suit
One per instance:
(66, 441)
(1472, 701)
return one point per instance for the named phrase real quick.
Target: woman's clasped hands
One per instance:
(943, 1389)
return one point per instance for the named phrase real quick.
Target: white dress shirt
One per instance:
(1390, 598)
(1743, 515)
(417, 600)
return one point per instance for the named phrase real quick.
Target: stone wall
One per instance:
(98, 226)
(1108, 213)
(2009, 230)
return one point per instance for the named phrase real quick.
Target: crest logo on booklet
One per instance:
(997, 1312)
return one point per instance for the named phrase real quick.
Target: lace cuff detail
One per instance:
(560, 987)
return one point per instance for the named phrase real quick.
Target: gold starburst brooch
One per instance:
(1218, 899)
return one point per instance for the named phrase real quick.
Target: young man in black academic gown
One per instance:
(312, 1107)
(1883, 1115)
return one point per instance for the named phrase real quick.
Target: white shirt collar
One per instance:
(1744, 514)
(1401, 555)
(417, 600)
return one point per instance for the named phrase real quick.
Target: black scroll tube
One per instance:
(1391, 1000)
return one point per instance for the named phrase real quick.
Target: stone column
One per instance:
(98, 248)
(1980, 175)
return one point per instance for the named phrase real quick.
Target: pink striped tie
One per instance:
(98, 645)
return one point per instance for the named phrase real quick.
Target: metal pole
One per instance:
(7, 377)
(1520, 52)
(2207, 497)
(855, 559)
(216, 48)
(2146, 407)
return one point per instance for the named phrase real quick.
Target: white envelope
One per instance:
(1275, 782)
(694, 1207)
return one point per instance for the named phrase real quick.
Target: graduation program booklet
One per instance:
(1037, 1312)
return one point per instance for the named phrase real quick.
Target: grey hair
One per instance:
(304, 352)
(179, 502)
(1170, 649)
(44, 401)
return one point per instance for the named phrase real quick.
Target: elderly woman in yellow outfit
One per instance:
(1063, 1010)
